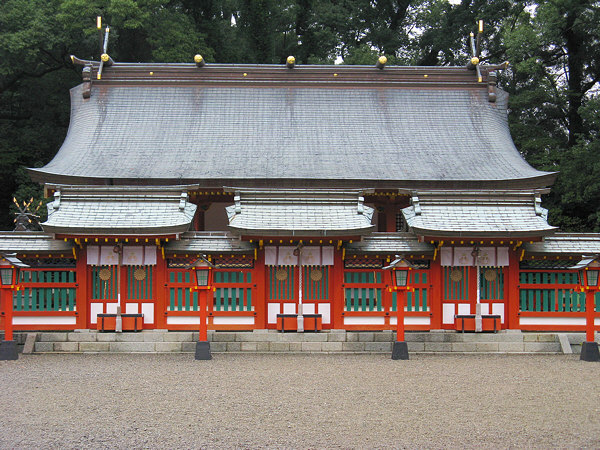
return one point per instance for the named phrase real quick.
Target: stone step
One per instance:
(325, 342)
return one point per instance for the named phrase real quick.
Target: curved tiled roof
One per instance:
(485, 214)
(119, 210)
(293, 133)
(299, 212)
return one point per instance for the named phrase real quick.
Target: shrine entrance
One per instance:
(473, 277)
(122, 276)
(302, 276)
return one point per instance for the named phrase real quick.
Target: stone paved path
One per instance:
(299, 401)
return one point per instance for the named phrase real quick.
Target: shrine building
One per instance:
(299, 189)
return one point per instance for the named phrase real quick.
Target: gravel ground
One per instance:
(317, 401)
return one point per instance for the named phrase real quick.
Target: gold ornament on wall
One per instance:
(456, 275)
(139, 274)
(316, 274)
(281, 274)
(104, 274)
(490, 275)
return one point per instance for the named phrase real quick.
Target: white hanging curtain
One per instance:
(311, 256)
(466, 256)
(105, 255)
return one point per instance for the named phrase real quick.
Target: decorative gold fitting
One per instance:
(381, 62)
(104, 57)
(474, 60)
(99, 22)
(199, 60)
(290, 62)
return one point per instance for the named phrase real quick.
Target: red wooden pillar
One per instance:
(387, 296)
(7, 307)
(123, 288)
(589, 315)
(160, 292)
(511, 292)
(435, 294)
(203, 329)
(82, 295)
(337, 291)
(203, 346)
(260, 281)
(472, 288)
(401, 301)
(589, 348)
(8, 347)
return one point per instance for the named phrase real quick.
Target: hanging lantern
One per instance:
(10, 267)
(203, 268)
(401, 277)
(588, 269)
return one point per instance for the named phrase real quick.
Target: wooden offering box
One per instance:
(287, 322)
(131, 322)
(313, 322)
(466, 322)
(107, 322)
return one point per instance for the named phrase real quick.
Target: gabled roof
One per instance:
(334, 126)
(119, 210)
(477, 214)
(299, 212)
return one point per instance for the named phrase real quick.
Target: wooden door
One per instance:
(316, 288)
(491, 285)
(282, 292)
(137, 292)
(459, 293)
(134, 283)
(104, 291)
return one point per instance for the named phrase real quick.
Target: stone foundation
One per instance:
(332, 341)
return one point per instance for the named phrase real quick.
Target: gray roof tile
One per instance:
(209, 242)
(567, 243)
(352, 134)
(299, 212)
(390, 243)
(119, 210)
(489, 214)
(30, 242)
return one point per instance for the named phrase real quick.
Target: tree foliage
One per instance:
(552, 46)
